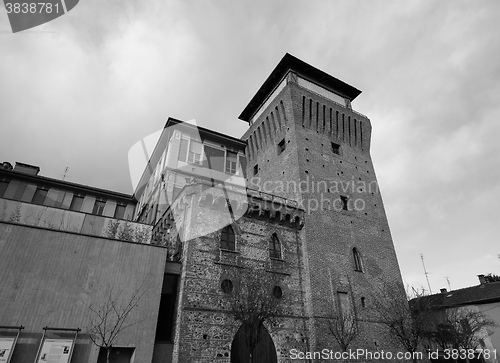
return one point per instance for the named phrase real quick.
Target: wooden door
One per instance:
(265, 351)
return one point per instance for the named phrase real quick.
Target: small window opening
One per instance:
(99, 207)
(336, 148)
(277, 292)
(226, 286)
(345, 202)
(255, 169)
(281, 146)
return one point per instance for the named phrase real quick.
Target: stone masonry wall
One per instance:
(205, 327)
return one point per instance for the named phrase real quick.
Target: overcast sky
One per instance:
(79, 91)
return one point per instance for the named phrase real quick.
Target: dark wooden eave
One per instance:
(315, 75)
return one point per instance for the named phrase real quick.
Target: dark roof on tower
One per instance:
(315, 75)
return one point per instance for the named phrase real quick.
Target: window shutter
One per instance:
(183, 150)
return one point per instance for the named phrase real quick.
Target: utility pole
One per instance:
(448, 280)
(426, 273)
(65, 172)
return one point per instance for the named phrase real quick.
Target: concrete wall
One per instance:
(67, 220)
(49, 278)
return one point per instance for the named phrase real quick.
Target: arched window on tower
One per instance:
(227, 239)
(358, 266)
(275, 247)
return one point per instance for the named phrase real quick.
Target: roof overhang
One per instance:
(315, 75)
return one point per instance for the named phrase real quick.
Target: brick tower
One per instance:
(306, 143)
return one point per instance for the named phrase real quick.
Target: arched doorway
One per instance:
(265, 351)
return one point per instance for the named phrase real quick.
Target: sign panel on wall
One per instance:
(55, 351)
(6, 348)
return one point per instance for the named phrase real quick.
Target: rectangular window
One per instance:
(19, 191)
(281, 146)
(54, 198)
(3, 187)
(118, 354)
(255, 169)
(336, 148)
(194, 155)
(39, 197)
(231, 162)
(214, 158)
(60, 198)
(120, 211)
(76, 203)
(99, 207)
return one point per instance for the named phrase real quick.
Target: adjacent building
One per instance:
(462, 313)
(68, 250)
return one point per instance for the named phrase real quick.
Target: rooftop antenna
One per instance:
(448, 280)
(65, 172)
(426, 273)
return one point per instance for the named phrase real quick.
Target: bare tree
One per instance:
(460, 328)
(344, 328)
(492, 277)
(110, 318)
(256, 299)
(407, 324)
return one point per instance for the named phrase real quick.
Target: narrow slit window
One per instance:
(281, 146)
(345, 202)
(357, 260)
